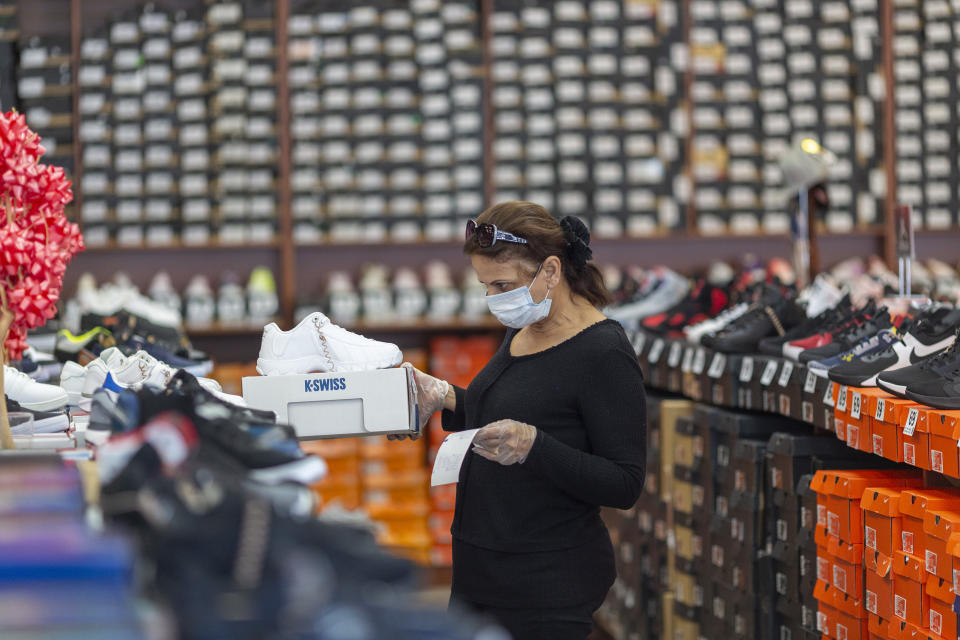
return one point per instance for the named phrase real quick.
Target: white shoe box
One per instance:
(328, 405)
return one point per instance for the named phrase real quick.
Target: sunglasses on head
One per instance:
(488, 234)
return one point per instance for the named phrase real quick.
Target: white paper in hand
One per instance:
(446, 468)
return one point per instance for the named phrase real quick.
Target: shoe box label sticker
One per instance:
(699, 361)
(768, 373)
(698, 446)
(717, 366)
(723, 455)
(782, 532)
(909, 453)
(911, 425)
(822, 625)
(833, 523)
(656, 350)
(639, 340)
(806, 518)
(785, 374)
(870, 537)
(785, 633)
(839, 578)
(842, 399)
(878, 444)
(931, 562)
(746, 370)
(956, 580)
(936, 460)
(881, 407)
(841, 632)
(687, 365)
(698, 595)
(828, 395)
(872, 602)
(806, 412)
(697, 546)
(718, 608)
(900, 607)
(807, 616)
(821, 515)
(784, 405)
(718, 394)
(823, 569)
(739, 480)
(828, 419)
(776, 478)
(716, 556)
(781, 583)
(936, 622)
(855, 405)
(853, 436)
(676, 352)
(906, 541)
(810, 384)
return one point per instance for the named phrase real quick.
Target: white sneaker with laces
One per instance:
(316, 344)
(31, 394)
(71, 380)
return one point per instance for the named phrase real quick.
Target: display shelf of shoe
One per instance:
(214, 245)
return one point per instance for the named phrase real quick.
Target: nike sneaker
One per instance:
(871, 345)
(925, 340)
(694, 333)
(842, 322)
(845, 340)
(705, 301)
(316, 344)
(83, 348)
(773, 314)
(813, 325)
(940, 387)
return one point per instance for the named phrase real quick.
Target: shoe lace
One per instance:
(774, 319)
(319, 324)
(947, 354)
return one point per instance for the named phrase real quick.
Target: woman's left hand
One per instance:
(505, 441)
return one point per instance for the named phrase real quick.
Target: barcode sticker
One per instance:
(842, 399)
(878, 444)
(870, 537)
(912, 416)
(656, 349)
(746, 369)
(855, 406)
(827, 396)
(673, 357)
(810, 384)
(785, 374)
(872, 601)
(699, 361)
(881, 407)
(853, 436)
(906, 541)
(769, 372)
(900, 607)
(909, 453)
(717, 366)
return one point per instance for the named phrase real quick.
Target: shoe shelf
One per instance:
(866, 419)
(114, 247)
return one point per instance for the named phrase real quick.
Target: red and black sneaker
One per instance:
(705, 301)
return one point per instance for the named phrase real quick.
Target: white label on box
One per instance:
(842, 399)
(810, 384)
(833, 523)
(785, 374)
(699, 361)
(687, 365)
(909, 453)
(931, 562)
(855, 406)
(746, 369)
(828, 395)
(911, 425)
(782, 530)
(853, 436)
(823, 569)
(656, 349)
(936, 622)
(768, 373)
(839, 578)
(821, 515)
(842, 631)
(872, 601)
(906, 541)
(676, 352)
(900, 606)
(878, 444)
(881, 406)
(717, 366)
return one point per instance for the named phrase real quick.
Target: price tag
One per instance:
(746, 369)
(828, 395)
(768, 373)
(881, 407)
(717, 366)
(638, 341)
(687, 365)
(810, 384)
(656, 350)
(855, 405)
(785, 374)
(699, 361)
(842, 399)
(911, 424)
(676, 352)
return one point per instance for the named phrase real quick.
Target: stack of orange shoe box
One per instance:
(456, 360)
(899, 431)
(341, 486)
(840, 547)
(852, 418)
(944, 429)
(881, 539)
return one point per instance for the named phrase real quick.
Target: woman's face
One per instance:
(500, 277)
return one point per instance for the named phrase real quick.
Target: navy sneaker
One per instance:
(137, 343)
(869, 346)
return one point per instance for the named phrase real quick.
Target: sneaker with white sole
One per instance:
(32, 395)
(316, 344)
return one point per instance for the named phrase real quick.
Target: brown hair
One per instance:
(545, 237)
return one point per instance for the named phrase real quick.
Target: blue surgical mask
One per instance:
(516, 309)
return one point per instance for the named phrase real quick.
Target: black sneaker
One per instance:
(940, 386)
(773, 314)
(863, 371)
(773, 345)
(930, 335)
(43, 421)
(867, 325)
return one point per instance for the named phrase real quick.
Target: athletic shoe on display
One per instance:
(443, 297)
(38, 365)
(33, 395)
(231, 301)
(377, 300)
(775, 345)
(43, 421)
(410, 300)
(262, 301)
(928, 337)
(163, 292)
(827, 334)
(667, 289)
(863, 371)
(83, 348)
(870, 346)
(941, 388)
(772, 314)
(704, 302)
(694, 333)
(316, 344)
(159, 353)
(342, 299)
(848, 338)
(200, 304)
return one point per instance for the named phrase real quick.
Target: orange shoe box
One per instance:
(903, 630)
(396, 488)
(824, 565)
(916, 446)
(840, 424)
(887, 440)
(881, 519)
(444, 498)
(827, 613)
(910, 599)
(818, 486)
(847, 560)
(440, 523)
(953, 550)
(887, 408)
(878, 584)
(938, 526)
(844, 516)
(942, 619)
(851, 620)
(878, 627)
(944, 429)
(913, 504)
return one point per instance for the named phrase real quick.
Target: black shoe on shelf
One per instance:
(773, 314)
(939, 387)
(865, 324)
(773, 345)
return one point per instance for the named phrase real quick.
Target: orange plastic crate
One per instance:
(913, 504)
(938, 526)
(910, 599)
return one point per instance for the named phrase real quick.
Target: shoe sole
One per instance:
(316, 364)
(936, 402)
(305, 471)
(820, 373)
(895, 389)
(791, 352)
(53, 424)
(47, 405)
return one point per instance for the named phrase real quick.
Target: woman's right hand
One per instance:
(431, 397)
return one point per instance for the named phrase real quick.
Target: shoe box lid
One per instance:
(941, 523)
(915, 502)
(323, 405)
(909, 566)
(942, 423)
(883, 501)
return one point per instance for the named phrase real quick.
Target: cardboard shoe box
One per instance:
(325, 405)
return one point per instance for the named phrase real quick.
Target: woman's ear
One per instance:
(552, 271)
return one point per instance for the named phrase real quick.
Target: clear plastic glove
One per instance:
(431, 393)
(505, 441)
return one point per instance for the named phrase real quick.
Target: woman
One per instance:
(563, 419)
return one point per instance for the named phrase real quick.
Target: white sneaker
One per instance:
(316, 344)
(142, 369)
(71, 381)
(31, 394)
(695, 332)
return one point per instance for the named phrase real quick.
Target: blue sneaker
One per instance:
(137, 343)
(869, 346)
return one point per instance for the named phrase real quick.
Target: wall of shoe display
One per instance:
(802, 470)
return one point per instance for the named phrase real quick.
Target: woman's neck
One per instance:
(567, 312)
